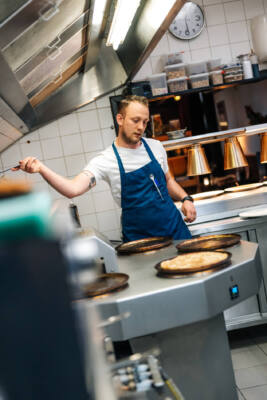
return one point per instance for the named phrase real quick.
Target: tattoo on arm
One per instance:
(92, 182)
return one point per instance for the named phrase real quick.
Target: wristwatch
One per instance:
(187, 198)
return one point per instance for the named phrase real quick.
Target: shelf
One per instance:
(263, 76)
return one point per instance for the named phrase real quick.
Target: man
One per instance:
(137, 172)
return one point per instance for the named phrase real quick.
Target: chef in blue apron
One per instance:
(147, 207)
(137, 171)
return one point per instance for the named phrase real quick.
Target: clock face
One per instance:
(189, 22)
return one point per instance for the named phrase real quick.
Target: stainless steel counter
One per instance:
(184, 317)
(158, 304)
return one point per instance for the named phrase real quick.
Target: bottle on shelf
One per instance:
(255, 64)
(247, 67)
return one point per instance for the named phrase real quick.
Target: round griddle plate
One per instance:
(241, 188)
(198, 267)
(210, 242)
(105, 283)
(141, 245)
(193, 275)
(207, 195)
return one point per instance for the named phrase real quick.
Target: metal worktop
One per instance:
(157, 304)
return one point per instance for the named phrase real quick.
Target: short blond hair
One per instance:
(124, 103)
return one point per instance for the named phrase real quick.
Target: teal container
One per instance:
(25, 216)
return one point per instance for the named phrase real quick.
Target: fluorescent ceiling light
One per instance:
(123, 16)
(98, 13)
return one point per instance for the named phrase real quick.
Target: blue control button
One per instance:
(234, 292)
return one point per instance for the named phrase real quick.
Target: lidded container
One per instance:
(216, 77)
(175, 70)
(178, 84)
(233, 77)
(197, 68)
(214, 64)
(158, 84)
(199, 80)
(175, 58)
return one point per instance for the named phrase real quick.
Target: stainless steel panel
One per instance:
(178, 302)
(11, 8)
(43, 32)
(12, 94)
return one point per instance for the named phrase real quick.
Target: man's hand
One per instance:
(189, 211)
(30, 164)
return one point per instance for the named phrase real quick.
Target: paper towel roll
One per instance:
(259, 36)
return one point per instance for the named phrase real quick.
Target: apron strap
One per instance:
(149, 151)
(121, 167)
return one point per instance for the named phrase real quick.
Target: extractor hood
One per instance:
(54, 56)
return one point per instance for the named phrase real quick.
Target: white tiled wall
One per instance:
(67, 144)
(226, 35)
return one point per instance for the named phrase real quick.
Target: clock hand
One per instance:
(187, 29)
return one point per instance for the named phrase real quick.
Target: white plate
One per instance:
(254, 213)
(264, 183)
(243, 187)
(206, 195)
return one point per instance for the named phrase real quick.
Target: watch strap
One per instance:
(187, 198)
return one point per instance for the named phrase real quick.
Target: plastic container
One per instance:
(232, 68)
(247, 67)
(175, 70)
(175, 58)
(214, 65)
(178, 84)
(197, 68)
(158, 84)
(255, 64)
(199, 80)
(233, 77)
(216, 77)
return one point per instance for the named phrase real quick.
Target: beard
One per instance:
(130, 140)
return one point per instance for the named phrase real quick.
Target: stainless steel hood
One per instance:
(54, 59)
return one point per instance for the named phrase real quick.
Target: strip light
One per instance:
(123, 17)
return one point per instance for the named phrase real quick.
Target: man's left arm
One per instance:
(177, 193)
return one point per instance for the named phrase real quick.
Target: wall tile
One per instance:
(108, 136)
(255, 393)
(85, 204)
(11, 156)
(208, 2)
(240, 48)
(200, 42)
(89, 221)
(75, 164)
(103, 201)
(32, 149)
(248, 377)
(57, 165)
(218, 35)
(49, 131)
(88, 120)
(234, 11)
(177, 45)
(253, 8)
(90, 155)
(107, 220)
(52, 148)
(162, 47)
(113, 235)
(92, 141)
(158, 63)
(201, 55)
(214, 14)
(32, 136)
(105, 117)
(144, 72)
(237, 31)
(265, 5)
(68, 124)
(72, 144)
(222, 52)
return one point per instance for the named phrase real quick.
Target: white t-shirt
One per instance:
(105, 166)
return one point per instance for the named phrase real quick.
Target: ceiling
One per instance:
(54, 58)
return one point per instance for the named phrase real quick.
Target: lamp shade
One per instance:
(197, 163)
(233, 154)
(264, 148)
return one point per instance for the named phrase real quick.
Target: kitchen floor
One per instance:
(249, 355)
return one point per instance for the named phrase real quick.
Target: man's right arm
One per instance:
(67, 187)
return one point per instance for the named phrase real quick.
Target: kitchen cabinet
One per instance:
(252, 311)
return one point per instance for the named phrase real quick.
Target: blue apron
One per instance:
(147, 208)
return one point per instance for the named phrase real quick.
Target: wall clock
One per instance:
(189, 21)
